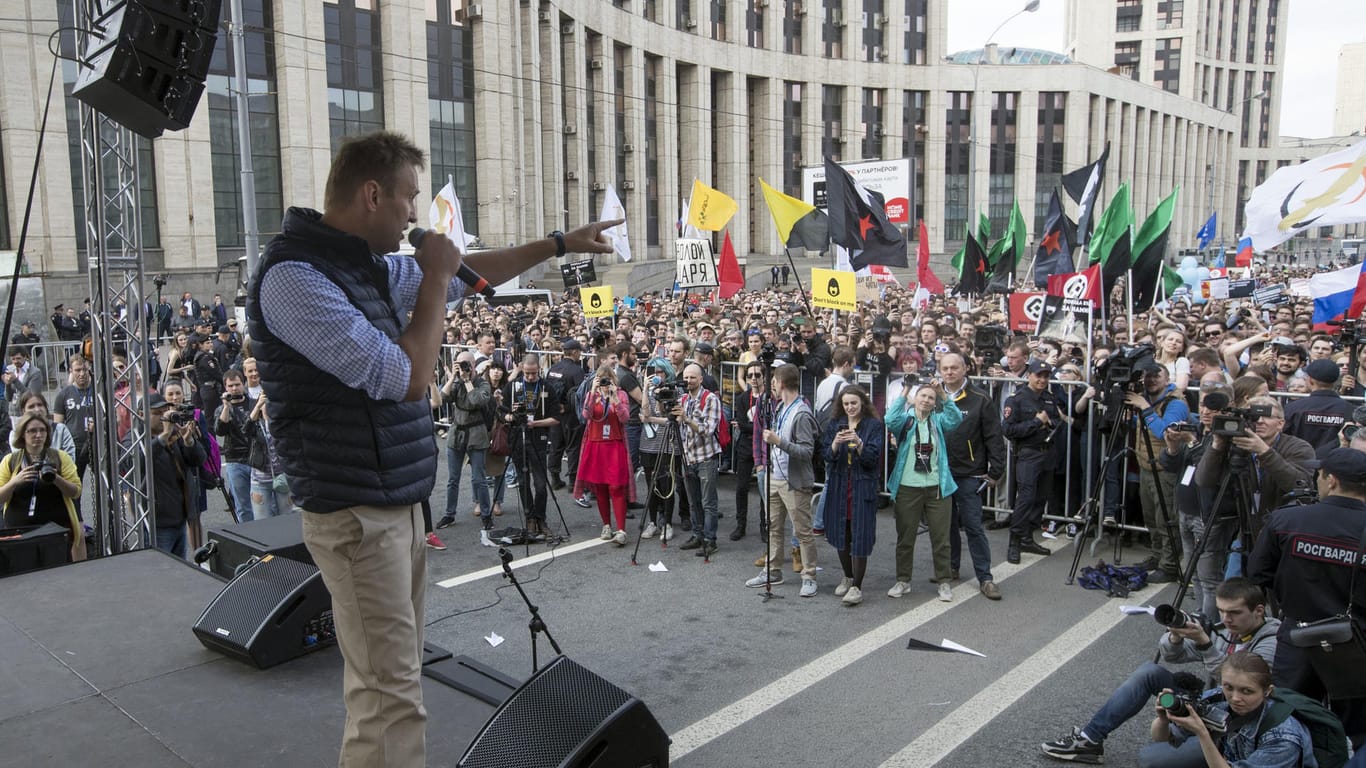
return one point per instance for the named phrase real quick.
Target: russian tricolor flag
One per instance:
(1337, 295)
(1244, 255)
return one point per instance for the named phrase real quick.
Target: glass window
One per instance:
(450, 93)
(754, 23)
(874, 31)
(652, 217)
(1048, 165)
(354, 94)
(832, 29)
(957, 137)
(792, 138)
(872, 123)
(1004, 151)
(793, 13)
(915, 40)
(914, 134)
(1128, 15)
(1167, 73)
(832, 121)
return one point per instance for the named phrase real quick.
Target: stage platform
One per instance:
(101, 668)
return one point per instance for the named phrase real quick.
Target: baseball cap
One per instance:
(1038, 366)
(705, 348)
(569, 345)
(702, 325)
(1325, 371)
(155, 401)
(224, 329)
(1343, 463)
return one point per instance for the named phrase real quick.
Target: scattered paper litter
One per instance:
(1133, 610)
(494, 640)
(952, 646)
(658, 567)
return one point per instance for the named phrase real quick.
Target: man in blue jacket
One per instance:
(1158, 407)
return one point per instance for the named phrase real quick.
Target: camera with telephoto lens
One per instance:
(1124, 368)
(1172, 617)
(47, 472)
(910, 380)
(768, 353)
(604, 383)
(1233, 422)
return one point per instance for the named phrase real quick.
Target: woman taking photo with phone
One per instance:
(853, 454)
(604, 463)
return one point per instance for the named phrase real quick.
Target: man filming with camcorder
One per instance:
(1278, 462)
(1189, 638)
(1158, 407)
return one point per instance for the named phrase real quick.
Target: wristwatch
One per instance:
(559, 242)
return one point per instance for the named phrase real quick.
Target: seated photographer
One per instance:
(1278, 460)
(38, 482)
(1258, 730)
(1244, 627)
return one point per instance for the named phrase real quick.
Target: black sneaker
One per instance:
(1162, 577)
(1074, 748)
(446, 521)
(693, 543)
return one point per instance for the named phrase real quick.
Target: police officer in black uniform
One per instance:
(1318, 418)
(565, 438)
(1304, 556)
(1030, 417)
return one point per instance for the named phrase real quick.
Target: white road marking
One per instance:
(962, 723)
(729, 718)
(523, 562)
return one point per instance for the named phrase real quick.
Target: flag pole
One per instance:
(800, 290)
(1129, 300)
(1030, 271)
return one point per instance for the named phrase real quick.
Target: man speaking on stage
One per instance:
(345, 370)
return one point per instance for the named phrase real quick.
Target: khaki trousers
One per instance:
(374, 563)
(783, 502)
(913, 505)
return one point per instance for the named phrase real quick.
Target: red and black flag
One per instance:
(858, 221)
(972, 278)
(1055, 246)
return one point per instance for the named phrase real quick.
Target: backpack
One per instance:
(722, 429)
(580, 396)
(1325, 729)
(1116, 580)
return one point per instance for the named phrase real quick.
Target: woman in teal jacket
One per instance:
(920, 483)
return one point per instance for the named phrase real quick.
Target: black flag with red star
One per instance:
(1055, 247)
(972, 279)
(858, 221)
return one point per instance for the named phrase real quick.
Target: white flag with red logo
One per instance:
(1077, 285)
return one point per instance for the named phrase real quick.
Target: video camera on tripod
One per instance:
(1233, 422)
(1124, 368)
(990, 341)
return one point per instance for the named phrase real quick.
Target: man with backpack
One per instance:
(1244, 627)
(699, 416)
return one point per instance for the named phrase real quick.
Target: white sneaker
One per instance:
(843, 588)
(945, 593)
(484, 539)
(606, 534)
(898, 589)
(650, 531)
(808, 588)
(854, 596)
(620, 538)
(668, 532)
(775, 578)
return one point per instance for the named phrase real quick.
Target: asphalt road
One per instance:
(739, 681)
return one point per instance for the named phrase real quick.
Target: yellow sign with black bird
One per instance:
(597, 302)
(834, 289)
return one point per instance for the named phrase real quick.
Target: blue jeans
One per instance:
(700, 481)
(818, 512)
(238, 478)
(1129, 699)
(271, 498)
(172, 539)
(455, 463)
(1160, 754)
(967, 516)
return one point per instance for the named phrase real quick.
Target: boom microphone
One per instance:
(467, 276)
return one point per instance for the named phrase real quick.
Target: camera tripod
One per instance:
(668, 453)
(526, 491)
(1116, 449)
(769, 410)
(1215, 527)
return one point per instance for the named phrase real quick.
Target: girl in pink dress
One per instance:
(604, 463)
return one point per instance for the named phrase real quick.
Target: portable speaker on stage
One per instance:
(568, 717)
(235, 545)
(275, 611)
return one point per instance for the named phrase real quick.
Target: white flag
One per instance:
(444, 216)
(1322, 192)
(613, 209)
(842, 262)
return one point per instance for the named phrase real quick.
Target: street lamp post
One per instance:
(1218, 127)
(1030, 7)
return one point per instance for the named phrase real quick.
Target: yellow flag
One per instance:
(597, 302)
(834, 289)
(785, 209)
(710, 210)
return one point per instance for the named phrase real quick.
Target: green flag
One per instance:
(1150, 251)
(1115, 223)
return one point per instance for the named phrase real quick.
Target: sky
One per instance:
(1317, 29)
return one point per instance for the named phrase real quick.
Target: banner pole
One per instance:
(800, 289)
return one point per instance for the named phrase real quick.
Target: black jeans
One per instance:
(744, 478)
(533, 484)
(565, 440)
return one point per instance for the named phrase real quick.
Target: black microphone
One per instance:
(467, 276)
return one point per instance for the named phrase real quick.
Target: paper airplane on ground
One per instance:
(945, 646)
(658, 567)
(494, 640)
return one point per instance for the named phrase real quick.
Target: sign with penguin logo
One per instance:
(597, 302)
(834, 289)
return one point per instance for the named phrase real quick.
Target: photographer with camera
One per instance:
(230, 425)
(605, 466)
(177, 452)
(566, 437)
(1188, 638)
(38, 483)
(1280, 462)
(468, 440)
(1157, 407)
(699, 414)
(534, 408)
(1252, 727)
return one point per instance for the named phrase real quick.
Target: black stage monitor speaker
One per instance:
(274, 611)
(145, 61)
(32, 547)
(235, 545)
(568, 717)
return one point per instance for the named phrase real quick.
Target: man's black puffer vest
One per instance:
(339, 448)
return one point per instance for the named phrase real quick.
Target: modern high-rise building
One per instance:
(1349, 107)
(534, 107)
